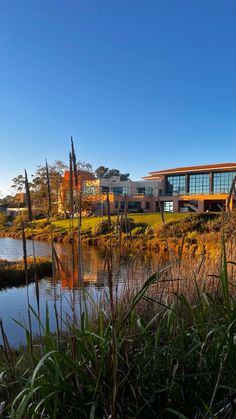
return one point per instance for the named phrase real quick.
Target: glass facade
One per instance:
(129, 205)
(149, 191)
(119, 190)
(134, 205)
(105, 189)
(175, 185)
(168, 206)
(222, 181)
(141, 191)
(145, 191)
(199, 184)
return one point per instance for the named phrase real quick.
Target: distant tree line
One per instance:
(38, 183)
(103, 172)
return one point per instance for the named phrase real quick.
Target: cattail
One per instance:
(78, 206)
(48, 190)
(108, 213)
(26, 283)
(28, 198)
(7, 349)
(161, 211)
(71, 187)
(24, 250)
(74, 163)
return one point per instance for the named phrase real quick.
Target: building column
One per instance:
(186, 183)
(211, 182)
(165, 185)
(200, 205)
(175, 205)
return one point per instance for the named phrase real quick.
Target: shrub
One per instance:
(43, 224)
(137, 231)
(149, 231)
(127, 225)
(101, 228)
(39, 216)
(3, 220)
(194, 222)
(191, 237)
(22, 216)
(87, 232)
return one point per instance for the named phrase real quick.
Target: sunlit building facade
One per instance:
(123, 195)
(183, 189)
(195, 188)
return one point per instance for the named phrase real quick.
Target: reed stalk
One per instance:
(27, 288)
(30, 215)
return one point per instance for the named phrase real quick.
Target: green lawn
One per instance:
(149, 219)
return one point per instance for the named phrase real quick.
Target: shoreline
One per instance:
(195, 243)
(12, 273)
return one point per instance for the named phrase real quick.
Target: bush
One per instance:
(22, 216)
(101, 228)
(191, 237)
(137, 231)
(149, 231)
(39, 216)
(87, 232)
(43, 224)
(3, 220)
(198, 222)
(127, 225)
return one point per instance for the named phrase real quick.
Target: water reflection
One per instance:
(57, 291)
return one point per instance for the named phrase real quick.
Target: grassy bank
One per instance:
(136, 230)
(165, 348)
(12, 273)
(61, 229)
(151, 220)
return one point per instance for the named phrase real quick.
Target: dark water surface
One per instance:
(58, 291)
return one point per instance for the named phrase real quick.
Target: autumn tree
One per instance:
(39, 188)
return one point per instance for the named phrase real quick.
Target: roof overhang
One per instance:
(219, 167)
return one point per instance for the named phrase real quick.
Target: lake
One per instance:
(59, 290)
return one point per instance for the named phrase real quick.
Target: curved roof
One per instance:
(218, 167)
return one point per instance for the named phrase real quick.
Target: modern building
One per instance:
(183, 189)
(195, 188)
(136, 196)
(123, 195)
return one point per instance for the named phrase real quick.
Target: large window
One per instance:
(168, 206)
(145, 191)
(105, 189)
(90, 190)
(119, 190)
(134, 205)
(129, 205)
(199, 184)
(175, 185)
(222, 182)
(141, 191)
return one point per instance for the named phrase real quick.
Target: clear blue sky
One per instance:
(140, 85)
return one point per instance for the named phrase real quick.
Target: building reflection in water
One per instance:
(95, 266)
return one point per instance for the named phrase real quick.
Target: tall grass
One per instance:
(162, 353)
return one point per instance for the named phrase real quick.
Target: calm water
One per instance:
(13, 301)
